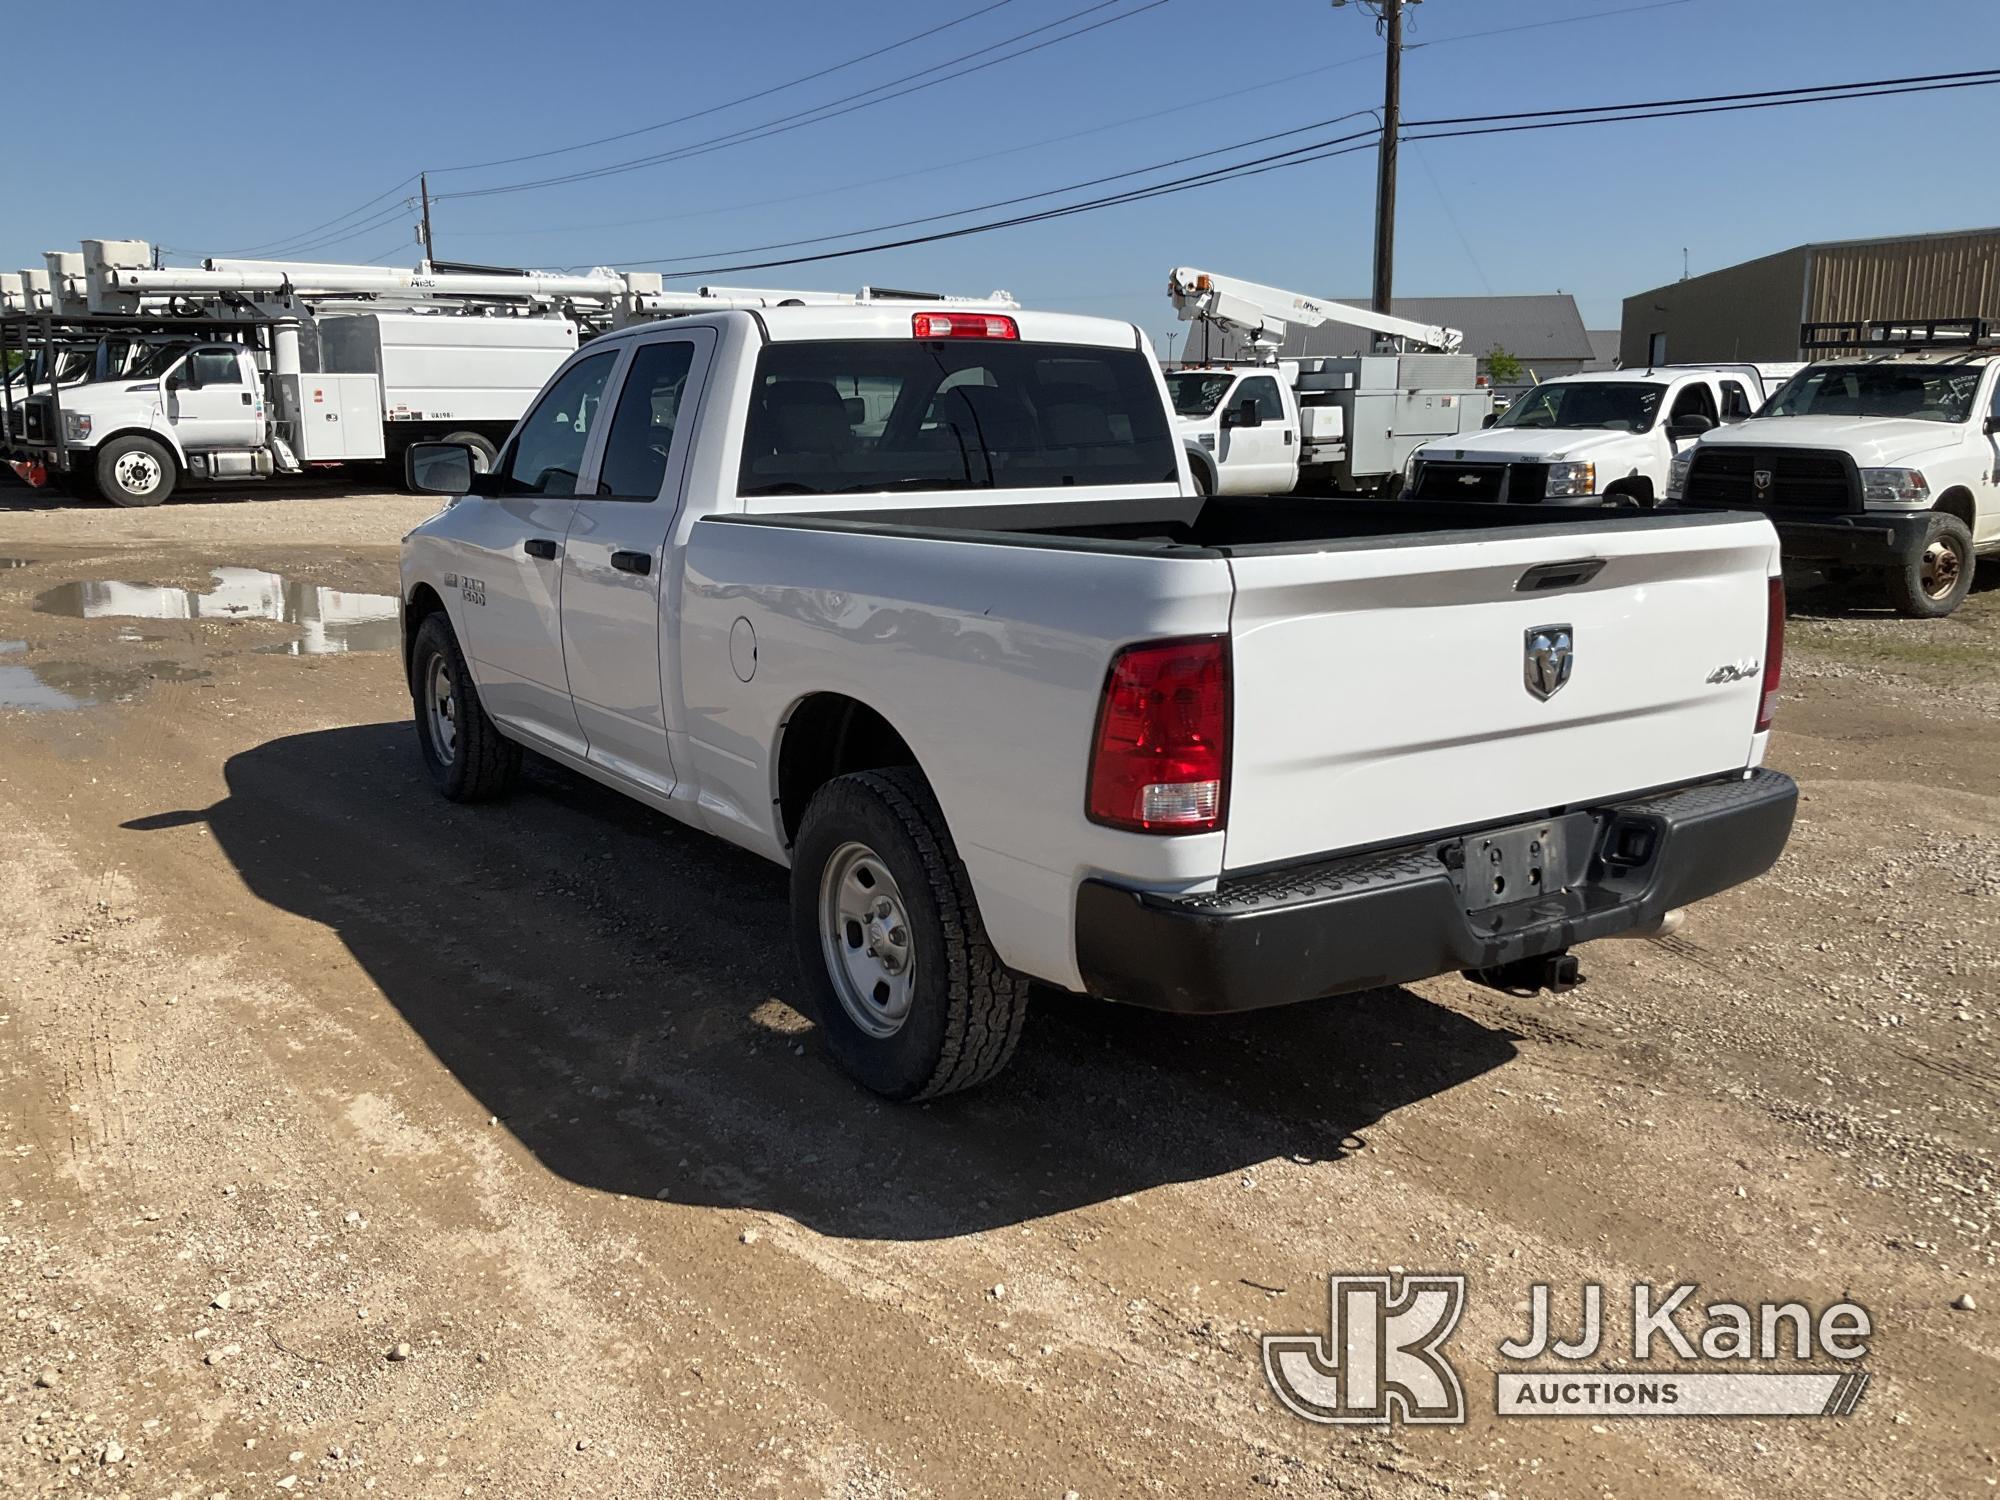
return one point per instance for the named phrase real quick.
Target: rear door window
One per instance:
(860, 416)
(641, 434)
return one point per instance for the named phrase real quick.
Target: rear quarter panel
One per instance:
(987, 658)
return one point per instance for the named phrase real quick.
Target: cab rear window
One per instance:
(859, 416)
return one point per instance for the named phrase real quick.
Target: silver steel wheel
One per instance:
(137, 472)
(865, 937)
(1940, 569)
(441, 709)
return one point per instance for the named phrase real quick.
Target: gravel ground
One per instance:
(354, 1141)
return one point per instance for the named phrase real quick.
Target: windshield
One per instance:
(852, 416)
(1613, 405)
(1925, 393)
(1196, 393)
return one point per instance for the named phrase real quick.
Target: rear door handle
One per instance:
(246, 398)
(540, 546)
(633, 562)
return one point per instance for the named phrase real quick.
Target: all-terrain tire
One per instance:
(468, 758)
(1934, 580)
(134, 470)
(966, 1008)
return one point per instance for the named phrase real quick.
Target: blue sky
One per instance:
(337, 107)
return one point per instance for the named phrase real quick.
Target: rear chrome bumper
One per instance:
(1329, 927)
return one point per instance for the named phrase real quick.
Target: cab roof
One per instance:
(895, 321)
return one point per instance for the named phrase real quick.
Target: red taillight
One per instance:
(1160, 763)
(960, 325)
(1774, 656)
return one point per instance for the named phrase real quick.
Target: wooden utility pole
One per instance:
(1391, 14)
(424, 187)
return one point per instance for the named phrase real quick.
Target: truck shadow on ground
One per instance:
(615, 989)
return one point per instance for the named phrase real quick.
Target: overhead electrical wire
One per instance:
(820, 113)
(284, 243)
(308, 233)
(1477, 125)
(267, 246)
(1074, 187)
(776, 88)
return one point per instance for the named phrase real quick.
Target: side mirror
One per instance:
(1491, 418)
(1243, 414)
(1693, 425)
(1993, 424)
(439, 469)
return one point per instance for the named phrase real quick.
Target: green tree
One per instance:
(1502, 367)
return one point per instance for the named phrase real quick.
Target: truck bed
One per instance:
(1233, 525)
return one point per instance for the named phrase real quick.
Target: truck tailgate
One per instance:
(1381, 688)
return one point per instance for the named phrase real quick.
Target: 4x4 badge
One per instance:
(1551, 653)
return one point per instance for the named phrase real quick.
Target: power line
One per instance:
(1772, 94)
(1074, 187)
(1133, 195)
(267, 246)
(353, 232)
(1591, 15)
(776, 88)
(1299, 156)
(1180, 108)
(307, 233)
(820, 113)
(1714, 109)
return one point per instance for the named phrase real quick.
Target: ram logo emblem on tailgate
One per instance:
(1551, 653)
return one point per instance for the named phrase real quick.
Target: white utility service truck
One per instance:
(1884, 460)
(1587, 439)
(923, 603)
(1342, 424)
(290, 366)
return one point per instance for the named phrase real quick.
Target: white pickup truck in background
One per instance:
(1587, 439)
(923, 605)
(1885, 464)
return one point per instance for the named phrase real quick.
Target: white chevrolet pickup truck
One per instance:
(1587, 439)
(924, 606)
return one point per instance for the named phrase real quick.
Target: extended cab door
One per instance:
(511, 548)
(617, 556)
(1260, 456)
(214, 401)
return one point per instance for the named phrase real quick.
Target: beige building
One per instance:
(1753, 310)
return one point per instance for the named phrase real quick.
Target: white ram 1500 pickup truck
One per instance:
(924, 605)
(1586, 439)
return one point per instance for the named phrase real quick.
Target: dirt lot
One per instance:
(302, 1068)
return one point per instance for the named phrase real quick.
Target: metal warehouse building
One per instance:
(1753, 310)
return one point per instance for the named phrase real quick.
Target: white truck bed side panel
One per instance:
(988, 660)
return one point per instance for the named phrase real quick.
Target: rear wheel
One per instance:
(911, 998)
(134, 471)
(1933, 581)
(467, 756)
(484, 453)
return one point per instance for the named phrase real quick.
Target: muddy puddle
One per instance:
(59, 687)
(329, 620)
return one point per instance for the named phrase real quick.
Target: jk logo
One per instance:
(1379, 1362)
